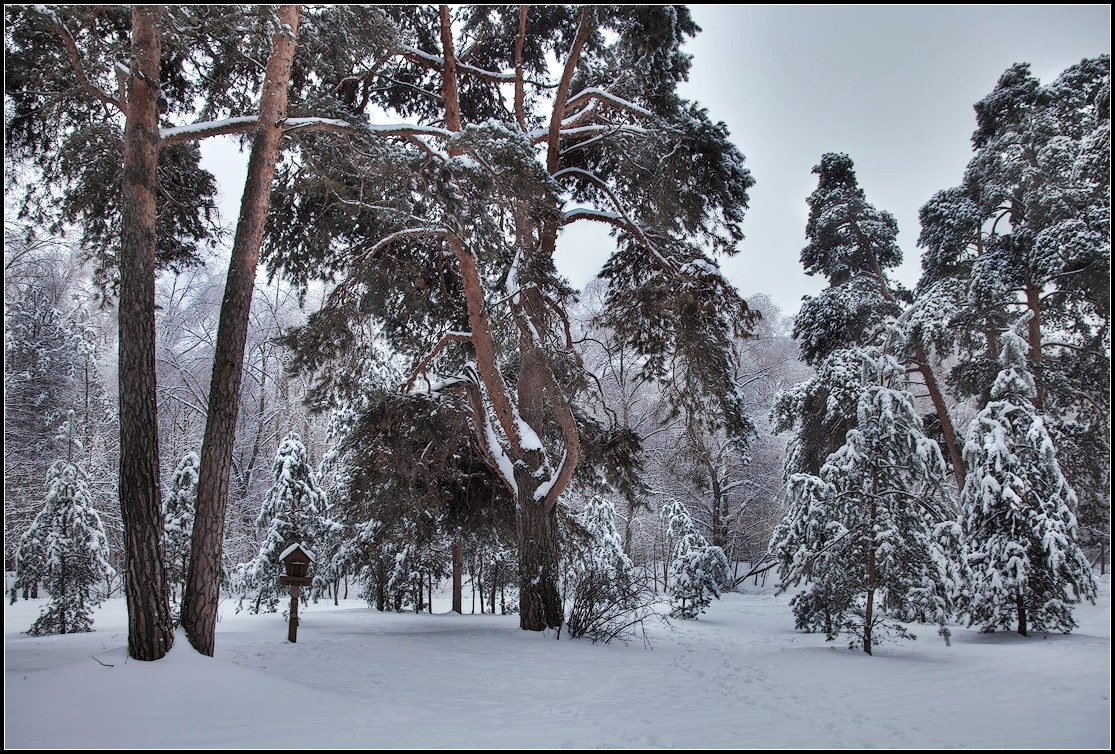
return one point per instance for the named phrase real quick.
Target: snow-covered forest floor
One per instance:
(739, 677)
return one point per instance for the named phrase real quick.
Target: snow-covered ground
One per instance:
(739, 677)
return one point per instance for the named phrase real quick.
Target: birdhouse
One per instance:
(296, 561)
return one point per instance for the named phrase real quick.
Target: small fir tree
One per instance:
(66, 547)
(290, 514)
(860, 534)
(1019, 511)
(697, 570)
(180, 504)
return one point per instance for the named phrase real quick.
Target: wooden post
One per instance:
(292, 628)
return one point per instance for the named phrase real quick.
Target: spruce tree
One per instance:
(697, 570)
(862, 533)
(66, 548)
(291, 514)
(181, 502)
(1019, 511)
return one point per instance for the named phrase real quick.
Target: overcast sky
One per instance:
(891, 86)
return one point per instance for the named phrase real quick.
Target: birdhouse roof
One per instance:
(297, 546)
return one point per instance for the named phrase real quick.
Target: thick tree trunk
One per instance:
(539, 601)
(199, 609)
(458, 572)
(145, 584)
(1021, 603)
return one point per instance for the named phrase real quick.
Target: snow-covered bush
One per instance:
(608, 599)
(66, 548)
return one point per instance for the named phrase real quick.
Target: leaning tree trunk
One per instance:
(199, 608)
(145, 584)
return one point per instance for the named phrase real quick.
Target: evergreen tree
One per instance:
(860, 532)
(697, 569)
(1029, 229)
(66, 548)
(180, 504)
(291, 514)
(854, 244)
(472, 211)
(1019, 511)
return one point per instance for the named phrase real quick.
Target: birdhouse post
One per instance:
(296, 561)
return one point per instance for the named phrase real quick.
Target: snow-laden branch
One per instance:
(606, 97)
(443, 341)
(205, 129)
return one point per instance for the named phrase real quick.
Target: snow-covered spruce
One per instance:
(66, 548)
(181, 501)
(1019, 512)
(697, 569)
(860, 535)
(290, 514)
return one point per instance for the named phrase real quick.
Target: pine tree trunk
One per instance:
(458, 572)
(948, 431)
(869, 613)
(495, 580)
(199, 609)
(1021, 603)
(539, 601)
(145, 584)
(1033, 303)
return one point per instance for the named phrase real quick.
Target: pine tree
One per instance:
(471, 213)
(180, 504)
(66, 548)
(697, 569)
(290, 515)
(1029, 228)
(861, 534)
(1019, 511)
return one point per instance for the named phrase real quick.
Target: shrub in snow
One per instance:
(608, 600)
(179, 507)
(1019, 512)
(290, 514)
(66, 548)
(697, 569)
(860, 535)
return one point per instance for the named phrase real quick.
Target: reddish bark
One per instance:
(199, 608)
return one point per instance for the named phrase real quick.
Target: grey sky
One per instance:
(891, 86)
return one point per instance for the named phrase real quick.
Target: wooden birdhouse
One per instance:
(296, 560)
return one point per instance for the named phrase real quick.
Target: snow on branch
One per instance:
(435, 63)
(208, 128)
(606, 97)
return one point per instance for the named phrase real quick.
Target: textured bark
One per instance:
(948, 431)
(199, 609)
(1033, 303)
(458, 572)
(146, 589)
(539, 602)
